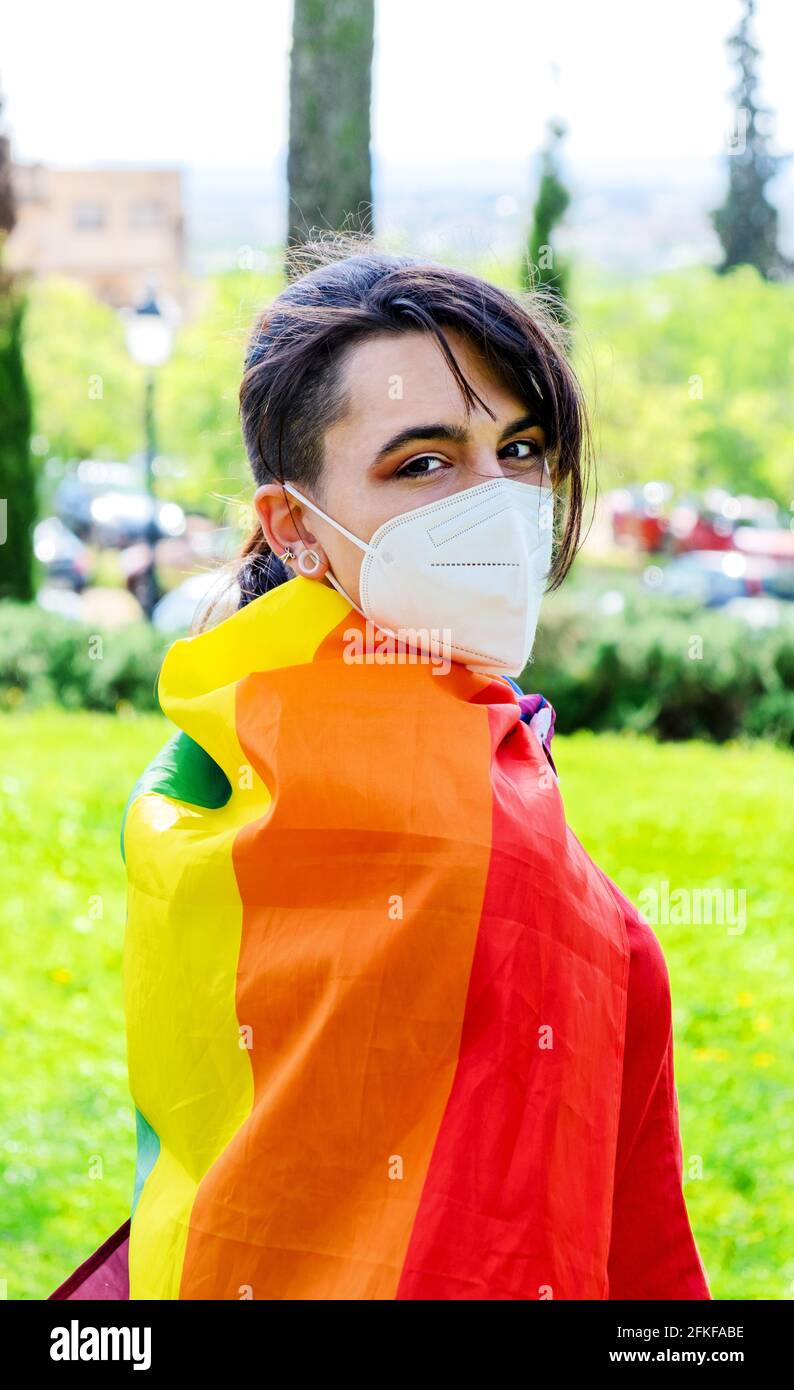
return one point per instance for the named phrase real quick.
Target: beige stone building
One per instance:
(118, 231)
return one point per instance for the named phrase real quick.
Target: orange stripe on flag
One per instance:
(362, 889)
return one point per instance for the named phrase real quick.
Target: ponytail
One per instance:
(259, 568)
(254, 571)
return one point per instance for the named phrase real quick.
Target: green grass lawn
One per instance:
(693, 814)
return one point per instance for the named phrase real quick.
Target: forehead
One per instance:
(392, 380)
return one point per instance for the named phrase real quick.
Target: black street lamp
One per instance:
(149, 335)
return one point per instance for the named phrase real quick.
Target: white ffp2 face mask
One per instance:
(470, 569)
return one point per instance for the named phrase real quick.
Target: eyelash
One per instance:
(537, 452)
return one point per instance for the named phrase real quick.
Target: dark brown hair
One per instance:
(341, 290)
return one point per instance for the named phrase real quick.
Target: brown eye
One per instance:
(414, 463)
(534, 449)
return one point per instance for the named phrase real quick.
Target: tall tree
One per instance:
(17, 480)
(329, 164)
(541, 263)
(747, 223)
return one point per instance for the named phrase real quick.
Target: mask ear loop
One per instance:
(362, 545)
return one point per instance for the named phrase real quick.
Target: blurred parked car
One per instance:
(66, 561)
(652, 520)
(638, 515)
(773, 544)
(743, 509)
(122, 518)
(720, 520)
(91, 478)
(106, 503)
(715, 577)
(696, 525)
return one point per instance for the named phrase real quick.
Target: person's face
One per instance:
(405, 442)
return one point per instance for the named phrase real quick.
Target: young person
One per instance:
(392, 1034)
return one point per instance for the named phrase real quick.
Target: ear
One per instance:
(280, 517)
(282, 520)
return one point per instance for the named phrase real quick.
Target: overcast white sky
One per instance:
(169, 81)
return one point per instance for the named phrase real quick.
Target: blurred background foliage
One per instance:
(673, 633)
(689, 374)
(634, 669)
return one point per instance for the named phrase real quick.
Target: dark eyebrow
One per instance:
(456, 434)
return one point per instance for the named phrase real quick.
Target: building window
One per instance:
(147, 212)
(89, 215)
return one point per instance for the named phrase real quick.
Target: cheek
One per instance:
(362, 509)
(344, 560)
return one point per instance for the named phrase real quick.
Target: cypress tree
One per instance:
(541, 264)
(747, 223)
(17, 479)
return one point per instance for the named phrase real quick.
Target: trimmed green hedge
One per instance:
(639, 669)
(46, 659)
(664, 668)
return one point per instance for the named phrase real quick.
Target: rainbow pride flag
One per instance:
(376, 991)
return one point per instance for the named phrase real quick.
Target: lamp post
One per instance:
(149, 335)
